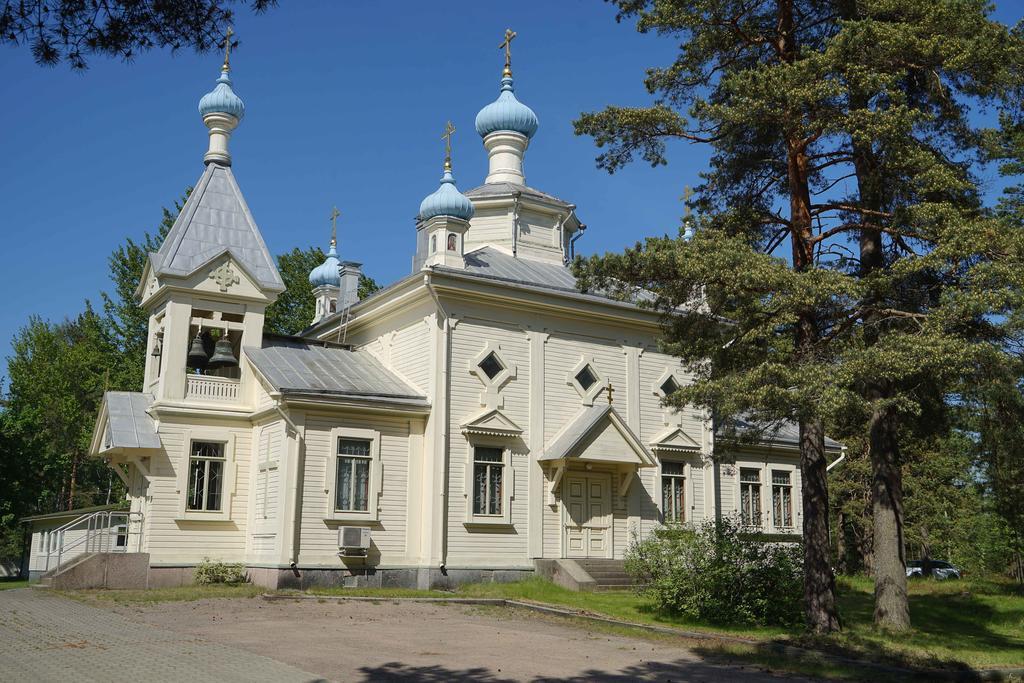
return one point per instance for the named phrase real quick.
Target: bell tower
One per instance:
(206, 289)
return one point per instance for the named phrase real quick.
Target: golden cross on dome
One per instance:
(334, 226)
(507, 46)
(227, 48)
(687, 193)
(449, 130)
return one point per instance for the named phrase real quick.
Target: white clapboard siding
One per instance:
(172, 540)
(475, 545)
(319, 539)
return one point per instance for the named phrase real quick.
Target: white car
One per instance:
(941, 570)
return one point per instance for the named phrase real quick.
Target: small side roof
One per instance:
(214, 220)
(297, 366)
(503, 189)
(783, 434)
(128, 423)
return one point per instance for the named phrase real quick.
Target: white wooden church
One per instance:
(479, 419)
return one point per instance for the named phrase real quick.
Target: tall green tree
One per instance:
(127, 321)
(798, 98)
(294, 309)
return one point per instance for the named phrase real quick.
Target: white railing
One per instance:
(106, 531)
(210, 388)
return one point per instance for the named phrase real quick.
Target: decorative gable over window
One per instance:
(491, 422)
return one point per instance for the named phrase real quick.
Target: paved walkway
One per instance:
(46, 638)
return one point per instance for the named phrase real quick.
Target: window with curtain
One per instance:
(750, 496)
(672, 492)
(352, 486)
(782, 499)
(205, 475)
(488, 480)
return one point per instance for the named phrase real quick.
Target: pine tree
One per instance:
(801, 100)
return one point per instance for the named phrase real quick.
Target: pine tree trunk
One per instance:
(819, 582)
(842, 565)
(892, 610)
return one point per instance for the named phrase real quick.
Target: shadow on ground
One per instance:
(681, 670)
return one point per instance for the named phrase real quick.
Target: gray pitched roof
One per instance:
(128, 423)
(216, 219)
(502, 189)
(785, 434)
(495, 264)
(298, 367)
(582, 425)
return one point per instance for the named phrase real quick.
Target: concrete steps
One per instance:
(608, 575)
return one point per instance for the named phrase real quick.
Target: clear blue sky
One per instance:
(345, 104)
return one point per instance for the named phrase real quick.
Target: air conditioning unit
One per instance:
(353, 540)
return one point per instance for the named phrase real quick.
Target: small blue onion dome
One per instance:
(328, 272)
(506, 113)
(222, 99)
(446, 201)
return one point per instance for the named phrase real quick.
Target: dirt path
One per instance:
(390, 641)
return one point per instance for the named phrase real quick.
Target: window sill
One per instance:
(352, 517)
(201, 516)
(488, 523)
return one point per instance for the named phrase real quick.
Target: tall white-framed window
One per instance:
(488, 480)
(206, 475)
(352, 494)
(490, 483)
(354, 474)
(673, 491)
(750, 496)
(782, 499)
(206, 465)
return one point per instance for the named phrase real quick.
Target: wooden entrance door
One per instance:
(587, 516)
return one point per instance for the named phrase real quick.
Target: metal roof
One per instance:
(128, 423)
(582, 425)
(503, 189)
(296, 366)
(214, 220)
(784, 433)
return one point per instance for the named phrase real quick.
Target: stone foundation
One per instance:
(422, 578)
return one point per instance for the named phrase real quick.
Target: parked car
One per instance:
(940, 569)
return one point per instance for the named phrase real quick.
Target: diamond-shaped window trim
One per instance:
(491, 365)
(669, 386)
(586, 377)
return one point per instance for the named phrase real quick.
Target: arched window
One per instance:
(334, 305)
(453, 242)
(433, 243)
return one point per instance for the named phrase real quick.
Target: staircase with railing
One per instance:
(106, 531)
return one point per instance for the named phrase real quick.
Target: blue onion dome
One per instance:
(506, 113)
(328, 272)
(222, 99)
(446, 201)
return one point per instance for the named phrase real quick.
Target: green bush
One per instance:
(208, 572)
(718, 574)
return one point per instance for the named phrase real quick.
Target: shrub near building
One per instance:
(718, 574)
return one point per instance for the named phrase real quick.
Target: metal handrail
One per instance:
(102, 529)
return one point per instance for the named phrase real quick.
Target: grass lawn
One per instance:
(178, 594)
(5, 584)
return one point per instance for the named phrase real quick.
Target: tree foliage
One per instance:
(72, 30)
(841, 130)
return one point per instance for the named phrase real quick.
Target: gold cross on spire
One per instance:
(334, 226)
(227, 48)
(507, 46)
(449, 130)
(687, 193)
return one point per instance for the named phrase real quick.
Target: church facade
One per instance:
(471, 421)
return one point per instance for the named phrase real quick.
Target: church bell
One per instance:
(222, 356)
(197, 357)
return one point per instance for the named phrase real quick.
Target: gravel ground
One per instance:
(392, 641)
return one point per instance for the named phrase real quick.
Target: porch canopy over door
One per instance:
(597, 435)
